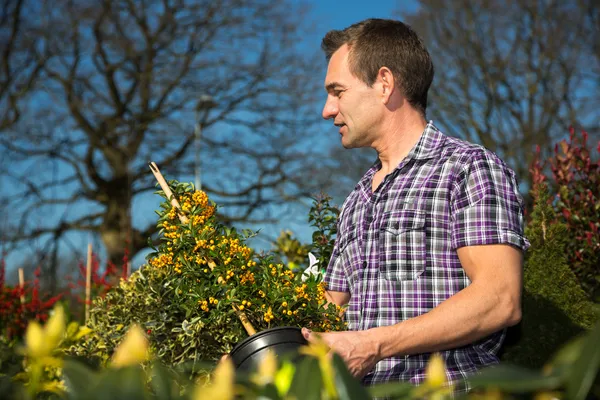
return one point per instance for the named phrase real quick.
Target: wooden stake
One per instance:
(22, 285)
(241, 315)
(88, 282)
(165, 187)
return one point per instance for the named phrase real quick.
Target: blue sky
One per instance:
(329, 15)
(340, 14)
(325, 15)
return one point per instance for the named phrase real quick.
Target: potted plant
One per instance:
(204, 290)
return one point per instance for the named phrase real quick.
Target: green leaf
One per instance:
(511, 378)
(307, 383)
(269, 391)
(79, 379)
(348, 387)
(585, 368)
(122, 383)
(162, 383)
(562, 361)
(394, 389)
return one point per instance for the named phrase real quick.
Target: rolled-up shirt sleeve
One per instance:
(486, 207)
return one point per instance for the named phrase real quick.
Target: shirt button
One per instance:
(364, 264)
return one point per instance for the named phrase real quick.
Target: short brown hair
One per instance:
(376, 43)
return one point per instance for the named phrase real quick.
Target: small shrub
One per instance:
(575, 184)
(323, 217)
(290, 251)
(188, 296)
(555, 307)
(14, 314)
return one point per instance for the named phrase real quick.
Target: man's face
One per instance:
(351, 104)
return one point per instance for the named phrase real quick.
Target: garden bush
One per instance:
(555, 307)
(575, 186)
(14, 314)
(188, 296)
(290, 251)
(323, 216)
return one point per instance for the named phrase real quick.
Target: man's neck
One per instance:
(399, 134)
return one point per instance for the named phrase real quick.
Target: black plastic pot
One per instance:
(284, 340)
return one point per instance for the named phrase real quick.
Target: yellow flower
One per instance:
(222, 385)
(320, 351)
(132, 350)
(34, 339)
(55, 327)
(435, 374)
(545, 396)
(40, 342)
(283, 378)
(266, 369)
(435, 386)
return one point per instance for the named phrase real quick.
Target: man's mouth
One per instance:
(340, 126)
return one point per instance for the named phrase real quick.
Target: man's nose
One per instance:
(330, 110)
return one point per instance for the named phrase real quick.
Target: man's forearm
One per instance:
(458, 321)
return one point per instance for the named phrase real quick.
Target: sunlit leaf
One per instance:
(83, 331)
(222, 386)
(34, 340)
(266, 369)
(132, 350)
(435, 374)
(54, 329)
(284, 376)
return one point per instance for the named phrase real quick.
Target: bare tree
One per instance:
(125, 86)
(512, 74)
(22, 57)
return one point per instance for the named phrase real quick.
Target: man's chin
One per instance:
(349, 144)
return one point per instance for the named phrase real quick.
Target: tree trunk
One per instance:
(116, 228)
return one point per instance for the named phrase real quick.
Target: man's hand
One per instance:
(357, 348)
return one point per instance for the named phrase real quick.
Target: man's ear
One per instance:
(387, 83)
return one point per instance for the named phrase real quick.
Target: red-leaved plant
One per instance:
(575, 184)
(102, 279)
(14, 314)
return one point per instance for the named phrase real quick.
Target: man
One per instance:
(429, 250)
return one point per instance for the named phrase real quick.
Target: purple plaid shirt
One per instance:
(396, 248)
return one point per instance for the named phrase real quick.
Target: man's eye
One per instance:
(337, 93)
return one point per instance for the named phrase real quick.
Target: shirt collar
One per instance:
(429, 145)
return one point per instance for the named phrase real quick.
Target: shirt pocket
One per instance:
(402, 245)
